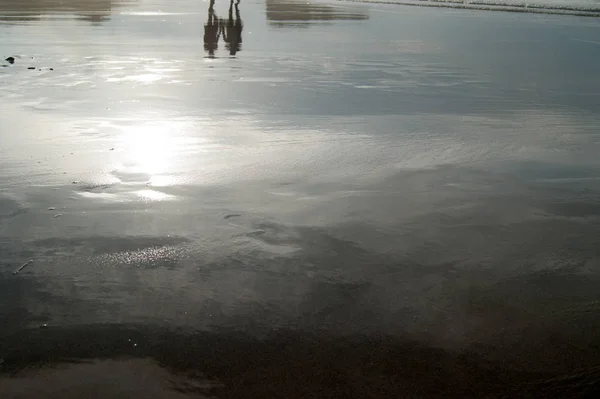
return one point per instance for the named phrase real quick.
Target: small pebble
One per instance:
(52, 69)
(51, 208)
(58, 215)
(31, 68)
(112, 149)
(75, 182)
(10, 60)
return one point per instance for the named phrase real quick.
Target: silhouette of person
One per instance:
(211, 31)
(232, 30)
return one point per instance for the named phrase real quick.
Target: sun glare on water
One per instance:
(150, 148)
(157, 152)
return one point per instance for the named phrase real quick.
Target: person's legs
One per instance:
(211, 13)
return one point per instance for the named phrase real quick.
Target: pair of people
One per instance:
(231, 30)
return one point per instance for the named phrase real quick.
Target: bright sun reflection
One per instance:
(161, 152)
(151, 148)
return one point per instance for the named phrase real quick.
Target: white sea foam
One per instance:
(580, 7)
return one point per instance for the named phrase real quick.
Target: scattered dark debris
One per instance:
(23, 266)
(11, 60)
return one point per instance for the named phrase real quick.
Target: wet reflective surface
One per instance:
(297, 200)
(94, 11)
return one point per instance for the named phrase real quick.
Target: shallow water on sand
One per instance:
(341, 200)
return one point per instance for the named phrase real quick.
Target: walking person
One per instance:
(211, 31)
(232, 30)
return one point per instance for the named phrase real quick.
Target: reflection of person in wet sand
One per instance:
(211, 31)
(232, 30)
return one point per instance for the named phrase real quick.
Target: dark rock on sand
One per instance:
(31, 68)
(11, 60)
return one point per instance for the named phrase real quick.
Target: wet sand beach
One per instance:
(286, 199)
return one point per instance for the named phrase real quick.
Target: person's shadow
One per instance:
(212, 31)
(232, 30)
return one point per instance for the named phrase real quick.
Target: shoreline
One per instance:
(483, 6)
